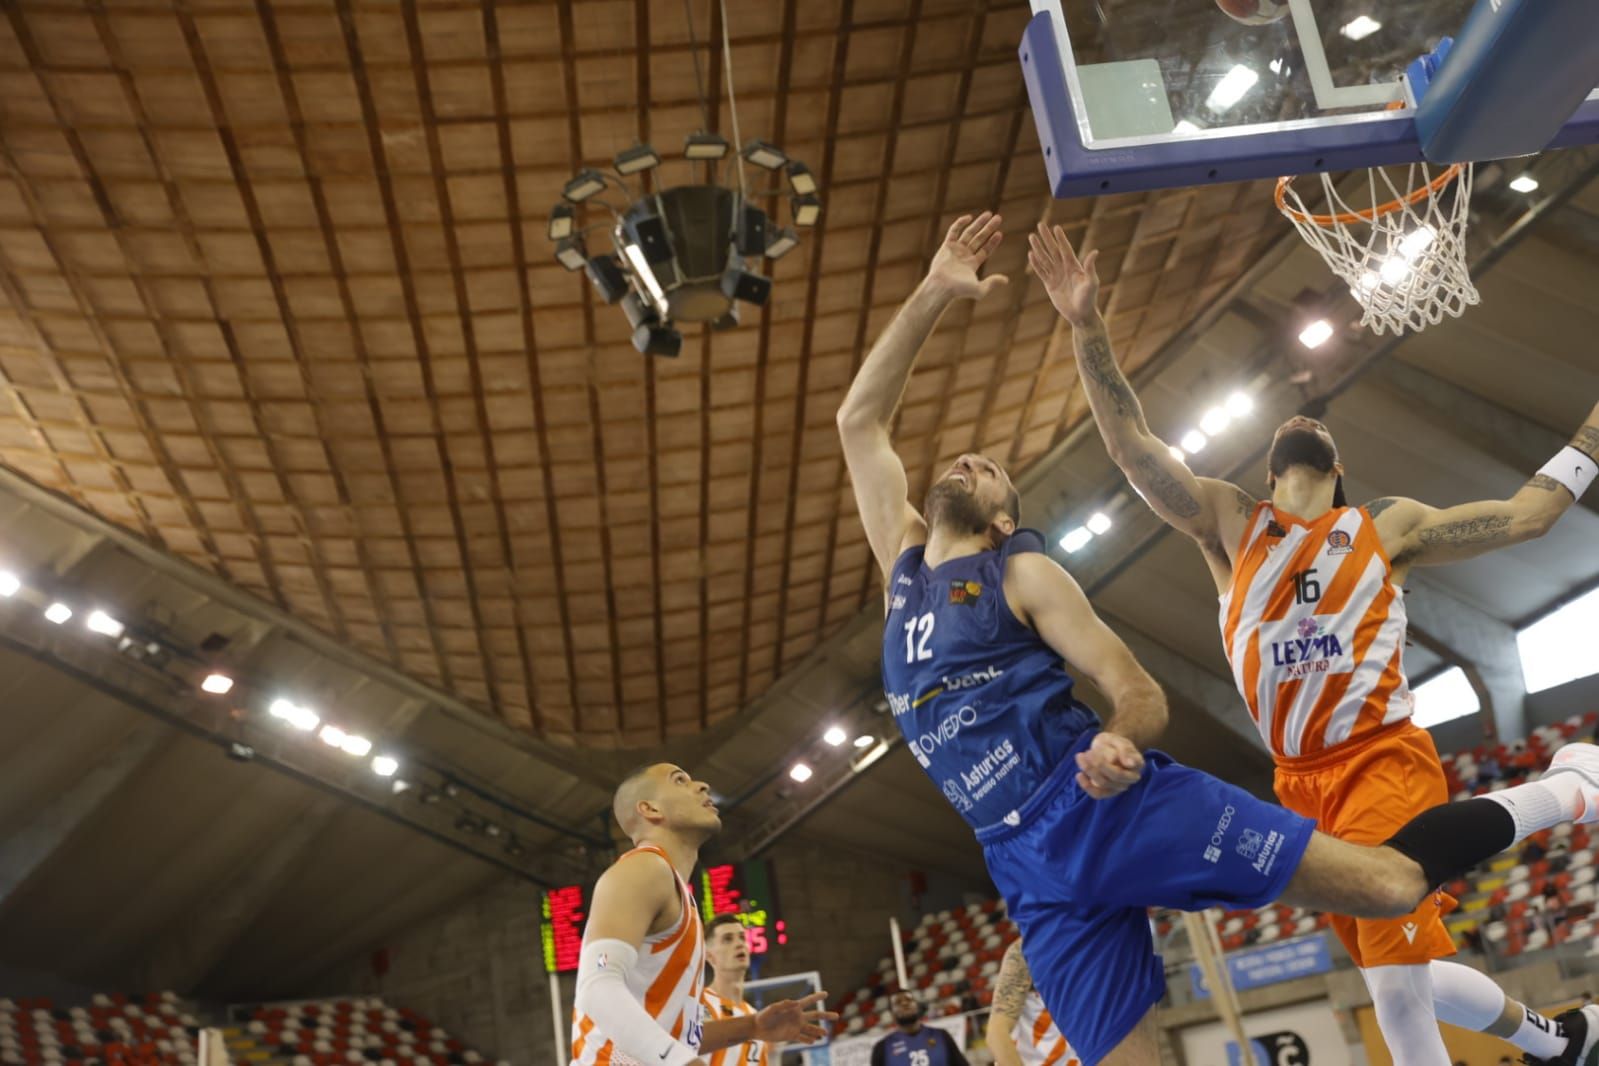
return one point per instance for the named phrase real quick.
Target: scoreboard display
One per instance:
(744, 889)
(563, 912)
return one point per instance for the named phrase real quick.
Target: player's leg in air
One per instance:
(1333, 709)
(1082, 826)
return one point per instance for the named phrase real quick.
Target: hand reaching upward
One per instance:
(967, 246)
(1073, 285)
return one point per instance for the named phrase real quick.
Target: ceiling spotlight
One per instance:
(639, 158)
(1193, 442)
(301, 718)
(800, 772)
(1239, 404)
(103, 624)
(401, 785)
(1215, 421)
(1232, 87)
(571, 253)
(563, 221)
(1316, 334)
(1185, 126)
(780, 242)
(333, 736)
(801, 180)
(58, 613)
(644, 274)
(1360, 27)
(385, 765)
(865, 740)
(217, 684)
(1524, 183)
(658, 340)
(1417, 241)
(10, 584)
(605, 271)
(705, 146)
(741, 284)
(807, 209)
(764, 154)
(587, 182)
(749, 235)
(1099, 523)
(835, 736)
(355, 745)
(1076, 540)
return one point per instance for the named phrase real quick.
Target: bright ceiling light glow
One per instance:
(800, 772)
(1444, 698)
(1232, 87)
(1524, 183)
(355, 745)
(1360, 27)
(1316, 334)
(1076, 540)
(1417, 241)
(385, 765)
(58, 613)
(1394, 270)
(104, 624)
(10, 584)
(302, 718)
(217, 684)
(1240, 403)
(835, 736)
(1193, 442)
(1099, 523)
(642, 271)
(333, 736)
(1555, 649)
(865, 740)
(1185, 126)
(1214, 422)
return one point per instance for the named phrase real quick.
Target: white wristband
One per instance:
(1573, 468)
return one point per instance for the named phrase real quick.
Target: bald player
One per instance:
(642, 967)
(727, 948)
(1020, 1030)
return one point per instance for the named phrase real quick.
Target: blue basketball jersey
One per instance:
(984, 704)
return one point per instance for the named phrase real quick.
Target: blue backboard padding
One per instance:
(1243, 154)
(1518, 70)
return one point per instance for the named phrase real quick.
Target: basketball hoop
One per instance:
(1404, 258)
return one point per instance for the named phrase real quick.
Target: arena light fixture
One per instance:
(1316, 334)
(355, 745)
(1193, 442)
(1360, 27)
(571, 253)
(563, 222)
(763, 154)
(705, 146)
(585, 184)
(1076, 540)
(1232, 87)
(1098, 523)
(780, 242)
(800, 772)
(333, 736)
(103, 624)
(385, 765)
(636, 160)
(605, 271)
(301, 718)
(835, 736)
(801, 180)
(58, 613)
(399, 786)
(865, 740)
(10, 584)
(806, 209)
(1524, 183)
(1240, 403)
(1214, 422)
(217, 684)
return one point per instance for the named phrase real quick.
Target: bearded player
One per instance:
(642, 966)
(1082, 827)
(1020, 1030)
(727, 949)
(1313, 624)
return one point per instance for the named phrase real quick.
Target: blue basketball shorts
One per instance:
(1079, 874)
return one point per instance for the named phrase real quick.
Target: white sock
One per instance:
(1542, 804)
(1403, 998)
(1470, 999)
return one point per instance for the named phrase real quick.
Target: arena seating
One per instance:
(114, 1030)
(1543, 894)
(334, 1031)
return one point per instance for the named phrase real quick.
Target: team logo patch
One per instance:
(1275, 530)
(964, 592)
(1309, 628)
(1339, 543)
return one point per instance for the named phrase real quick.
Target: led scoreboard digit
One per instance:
(563, 912)
(744, 889)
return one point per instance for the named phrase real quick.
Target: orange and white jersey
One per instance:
(1314, 628)
(1038, 1042)
(667, 979)
(749, 1053)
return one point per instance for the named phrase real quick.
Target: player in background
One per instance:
(642, 967)
(1082, 827)
(912, 1043)
(1020, 1030)
(1313, 623)
(727, 949)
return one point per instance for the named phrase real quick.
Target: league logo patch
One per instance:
(956, 797)
(1339, 543)
(1249, 843)
(964, 592)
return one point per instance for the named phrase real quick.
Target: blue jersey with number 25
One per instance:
(984, 704)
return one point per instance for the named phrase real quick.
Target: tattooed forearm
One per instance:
(1544, 482)
(1100, 372)
(1160, 487)
(1487, 530)
(1587, 441)
(1378, 506)
(1015, 980)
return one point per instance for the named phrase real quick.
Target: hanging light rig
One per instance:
(688, 253)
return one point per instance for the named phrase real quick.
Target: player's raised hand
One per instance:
(1112, 764)
(967, 246)
(794, 1021)
(1072, 283)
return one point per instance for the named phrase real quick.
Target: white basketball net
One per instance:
(1406, 267)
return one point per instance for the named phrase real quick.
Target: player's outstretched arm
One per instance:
(881, 489)
(1418, 535)
(1045, 596)
(788, 1021)
(632, 897)
(1010, 995)
(1212, 512)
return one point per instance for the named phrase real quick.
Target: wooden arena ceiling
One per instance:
(277, 297)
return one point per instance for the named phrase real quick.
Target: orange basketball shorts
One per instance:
(1363, 792)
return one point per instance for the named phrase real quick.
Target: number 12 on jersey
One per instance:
(918, 631)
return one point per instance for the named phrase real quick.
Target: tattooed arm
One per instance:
(1417, 535)
(1212, 512)
(1010, 994)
